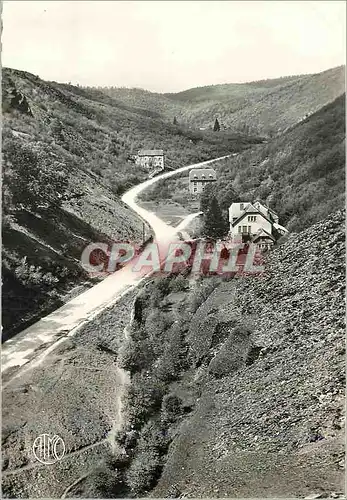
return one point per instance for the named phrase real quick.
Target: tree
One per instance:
(215, 226)
(206, 196)
(175, 121)
(227, 196)
(216, 127)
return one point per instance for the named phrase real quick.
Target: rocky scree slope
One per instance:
(244, 396)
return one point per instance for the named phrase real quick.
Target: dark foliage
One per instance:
(216, 126)
(300, 174)
(214, 224)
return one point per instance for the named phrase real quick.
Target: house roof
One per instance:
(265, 207)
(251, 210)
(202, 174)
(280, 228)
(262, 232)
(151, 152)
(244, 203)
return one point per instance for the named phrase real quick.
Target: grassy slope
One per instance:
(264, 107)
(79, 404)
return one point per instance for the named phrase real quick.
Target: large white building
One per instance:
(254, 222)
(151, 159)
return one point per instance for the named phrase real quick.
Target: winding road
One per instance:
(32, 345)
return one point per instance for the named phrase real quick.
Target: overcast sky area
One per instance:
(169, 46)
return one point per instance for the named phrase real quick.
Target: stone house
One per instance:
(199, 178)
(150, 159)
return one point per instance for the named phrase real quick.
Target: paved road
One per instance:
(32, 345)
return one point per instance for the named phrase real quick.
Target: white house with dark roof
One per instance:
(263, 239)
(151, 159)
(254, 222)
(199, 178)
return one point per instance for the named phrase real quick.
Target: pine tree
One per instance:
(206, 195)
(216, 127)
(214, 224)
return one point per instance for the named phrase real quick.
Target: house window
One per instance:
(244, 229)
(240, 229)
(249, 229)
(252, 218)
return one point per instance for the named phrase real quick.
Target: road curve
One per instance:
(33, 344)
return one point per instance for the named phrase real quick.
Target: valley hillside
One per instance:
(184, 385)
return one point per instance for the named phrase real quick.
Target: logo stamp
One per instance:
(48, 450)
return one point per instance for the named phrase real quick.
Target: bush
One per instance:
(153, 436)
(145, 468)
(104, 481)
(144, 398)
(34, 276)
(144, 471)
(135, 356)
(171, 408)
(174, 357)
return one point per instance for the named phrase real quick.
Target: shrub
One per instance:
(144, 397)
(153, 436)
(171, 408)
(34, 276)
(143, 471)
(135, 356)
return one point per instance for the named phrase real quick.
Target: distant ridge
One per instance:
(264, 107)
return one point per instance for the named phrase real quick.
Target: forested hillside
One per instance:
(265, 107)
(66, 157)
(101, 133)
(300, 174)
